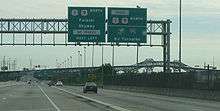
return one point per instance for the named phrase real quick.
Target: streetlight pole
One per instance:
(102, 67)
(9, 64)
(78, 57)
(57, 63)
(4, 63)
(15, 63)
(113, 55)
(81, 60)
(71, 60)
(113, 59)
(137, 57)
(68, 62)
(93, 55)
(180, 33)
(84, 56)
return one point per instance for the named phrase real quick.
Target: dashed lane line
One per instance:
(54, 105)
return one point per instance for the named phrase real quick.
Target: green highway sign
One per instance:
(86, 24)
(127, 25)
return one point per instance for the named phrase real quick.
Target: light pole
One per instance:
(180, 33)
(93, 55)
(15, 64)
(137, 56)
(71, 60)
(84, 56)
(57, 63)
(78, 57)
(9, 64)
(81, 60)
(30, 60)
(102, 67)
(113, 59)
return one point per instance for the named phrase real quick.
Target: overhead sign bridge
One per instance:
(124, 29)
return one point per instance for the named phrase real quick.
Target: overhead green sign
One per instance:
(86, 24)
(127, 25)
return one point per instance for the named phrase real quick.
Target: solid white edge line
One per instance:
(94, 100)
(54, 105)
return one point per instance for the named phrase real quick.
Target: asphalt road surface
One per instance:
(43, 98)
(40, 97)
(148, 102)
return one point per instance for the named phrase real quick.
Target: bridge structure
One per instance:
(33, 32)
(148, 65)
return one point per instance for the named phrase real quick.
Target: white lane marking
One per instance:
(197, 109)
(8, 85)
(94, 100)
(54, 105)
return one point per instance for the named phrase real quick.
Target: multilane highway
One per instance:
(40, 97)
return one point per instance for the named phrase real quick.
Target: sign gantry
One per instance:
(125, 28)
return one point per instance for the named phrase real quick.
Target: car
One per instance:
(59, 83)
(29, 82)
(51, 83)
(90, 86)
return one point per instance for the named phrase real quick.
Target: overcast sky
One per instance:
(201, 24)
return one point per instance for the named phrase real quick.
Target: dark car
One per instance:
(29, 82)
(90, 86)
(51, 83)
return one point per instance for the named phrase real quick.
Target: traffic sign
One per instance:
(127, 25)
(86, 24)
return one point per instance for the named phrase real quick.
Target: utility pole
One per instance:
(180, 33)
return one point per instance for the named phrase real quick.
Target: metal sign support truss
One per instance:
(37, 28)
